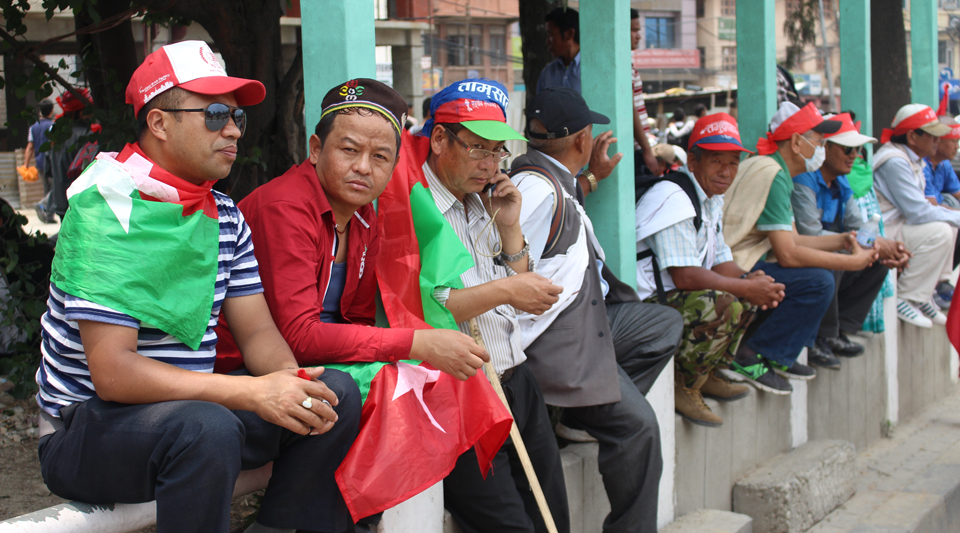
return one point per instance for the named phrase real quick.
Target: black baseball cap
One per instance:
(563, 112)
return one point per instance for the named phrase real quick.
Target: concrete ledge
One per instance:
(711, 521)
(792, 492)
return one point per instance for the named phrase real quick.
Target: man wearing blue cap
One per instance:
(456, 155)
(598, 350)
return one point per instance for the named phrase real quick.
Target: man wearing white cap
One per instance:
(824, 204)
(943, 188)
(148, 257)
(908, 216)
(759, 228)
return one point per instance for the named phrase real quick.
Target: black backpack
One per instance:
(642, 184)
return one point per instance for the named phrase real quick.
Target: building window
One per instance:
(942, 52)
(498, 45)
(381, 9)
(456, 46)
(703, 56)
(729, 58)
(659, 32)
(701, 8)
(476, 45)
(728, 8)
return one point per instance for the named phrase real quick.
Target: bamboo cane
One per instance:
(515, 435)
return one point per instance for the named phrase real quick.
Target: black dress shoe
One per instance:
(820, 355)
(844, 346)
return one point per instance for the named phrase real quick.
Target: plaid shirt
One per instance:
(681, 244)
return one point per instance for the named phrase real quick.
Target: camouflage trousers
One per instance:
(713, 324)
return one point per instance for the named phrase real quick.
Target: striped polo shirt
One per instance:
(64, 377)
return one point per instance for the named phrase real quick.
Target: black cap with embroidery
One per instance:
(371, 94)
(562, 111)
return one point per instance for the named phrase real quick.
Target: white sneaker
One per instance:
(909, 314)
(932, 311)
(575, 435)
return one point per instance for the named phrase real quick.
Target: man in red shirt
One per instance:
(316, 238)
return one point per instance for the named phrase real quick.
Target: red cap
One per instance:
(191, 66)
(849, 132)
(791, 119)
(717, 132)
(954, 133)
(68, 102)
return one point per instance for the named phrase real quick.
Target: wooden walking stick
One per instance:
(515, 435)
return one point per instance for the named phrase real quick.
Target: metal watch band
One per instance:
(517, 256)
(593, 180)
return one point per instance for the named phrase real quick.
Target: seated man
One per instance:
(929, 231)
(457, 155)
(319, 272)
(943, 188)
(130, 410)
(758, 227)
(598, 350)
(823, 204)
(695, 268)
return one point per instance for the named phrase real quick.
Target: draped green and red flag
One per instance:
(416, 421)
(123, 209)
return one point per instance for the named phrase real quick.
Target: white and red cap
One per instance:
(914, 117)
(849, 132)
(191, 66)
(717, 132)
(954, 127)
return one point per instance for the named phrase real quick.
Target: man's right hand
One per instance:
(863, 257)
(449, 351)
(532, 293)
(278, 398)
(763, 291)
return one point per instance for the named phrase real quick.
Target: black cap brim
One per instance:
(828, 126)
(597, 118)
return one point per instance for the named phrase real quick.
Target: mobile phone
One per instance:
(488, 188)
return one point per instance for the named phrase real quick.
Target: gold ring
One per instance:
(308, 403)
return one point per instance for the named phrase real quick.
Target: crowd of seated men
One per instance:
(164, 382)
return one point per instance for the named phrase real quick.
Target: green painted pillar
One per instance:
(338, 44)
(606, 78)
(756, 69)
(923, 50)
(856, 74)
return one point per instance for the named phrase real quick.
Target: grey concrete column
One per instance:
(408, 74)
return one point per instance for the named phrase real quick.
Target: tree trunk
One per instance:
(115, 52)
(247, 35)
(888, 50)
(533, 34)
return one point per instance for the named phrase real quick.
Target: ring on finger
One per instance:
(308, 403)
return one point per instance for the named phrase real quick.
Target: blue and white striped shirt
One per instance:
(64, 377)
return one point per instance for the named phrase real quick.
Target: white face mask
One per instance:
(814, 162)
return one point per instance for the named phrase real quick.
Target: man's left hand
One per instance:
(601, 164)
(506, 198)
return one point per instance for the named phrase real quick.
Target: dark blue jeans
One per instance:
(784, 331)
(187, 455)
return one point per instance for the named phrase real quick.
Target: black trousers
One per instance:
(187, 455)
(853, 296)
(503, 502)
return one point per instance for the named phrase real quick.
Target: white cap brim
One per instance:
(851, 138)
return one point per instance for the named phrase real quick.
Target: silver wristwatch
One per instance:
(517, 256)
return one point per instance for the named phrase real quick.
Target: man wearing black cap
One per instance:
(598, 350)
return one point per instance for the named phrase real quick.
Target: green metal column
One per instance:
(606, 81)
(923, 50)
(339, 42)
(756, 69)
(856, 74)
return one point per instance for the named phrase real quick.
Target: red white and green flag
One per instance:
(416, 421)
(142, 241)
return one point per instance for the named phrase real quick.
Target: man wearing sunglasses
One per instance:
(824, 204)
(457, 155)
(149, 257)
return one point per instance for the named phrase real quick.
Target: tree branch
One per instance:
(42, 65)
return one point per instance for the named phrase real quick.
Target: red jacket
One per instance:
(293, 237)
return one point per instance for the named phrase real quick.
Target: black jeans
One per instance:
(503, 502)
(187, 455)
(853, 297)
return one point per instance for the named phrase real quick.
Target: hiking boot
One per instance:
(797, 371)
(820, 354)
(755, 371)
(909, 314)
(688, 403)
(42, 214)
(931, 311)
(722, 390)
(843, 346)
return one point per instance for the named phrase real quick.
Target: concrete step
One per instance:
(909, 483)
(711, 521)
(792, 492)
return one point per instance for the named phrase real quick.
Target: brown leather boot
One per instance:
(689, 404)
(722, 390)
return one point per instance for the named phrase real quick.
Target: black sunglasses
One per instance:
(847, 150)
(216, 116)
